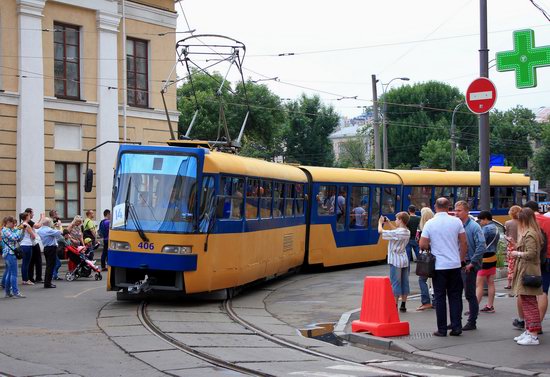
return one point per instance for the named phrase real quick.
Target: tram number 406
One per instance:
(146, 245)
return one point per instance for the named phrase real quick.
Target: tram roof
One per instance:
(219, 162)
(457, 178)
(321, 174)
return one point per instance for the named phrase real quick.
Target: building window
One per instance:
(137, 72)
(67, 190)
(67, 61)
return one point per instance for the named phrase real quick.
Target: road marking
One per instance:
(84, 291)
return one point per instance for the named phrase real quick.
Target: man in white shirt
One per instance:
(446, 238)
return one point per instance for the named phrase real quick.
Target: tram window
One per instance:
(299, 199)
(491, 197)
(252, 196)
(521, 196)
(232, 191)
(467, 194)
(359, 207)
(445, 192)
(207, 203)
(388, 200)
(340, 207)
(375, 207)
(289, 199)
(266, 199)
(325, 200)
(505, 197)
(421, 196)
(278, 199)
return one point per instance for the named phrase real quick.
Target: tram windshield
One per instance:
(156, 193)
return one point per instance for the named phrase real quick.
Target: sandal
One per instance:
(508, 287)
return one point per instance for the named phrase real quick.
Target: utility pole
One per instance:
(453, 137)
(484, 118)
(376, 123)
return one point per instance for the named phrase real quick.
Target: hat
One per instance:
(87, 240)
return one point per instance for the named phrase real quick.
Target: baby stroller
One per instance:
(84, 266)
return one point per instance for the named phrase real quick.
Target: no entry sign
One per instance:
(481, 95)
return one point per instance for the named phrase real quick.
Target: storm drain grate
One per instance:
(416, 335)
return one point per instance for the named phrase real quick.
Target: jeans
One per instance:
(399, 277)
(11, 277)
(56, 267)
(412, 246)
(448, 284)
(469, 281)
(424, 290)
(27, 255)
(104, 253)
(5, 275)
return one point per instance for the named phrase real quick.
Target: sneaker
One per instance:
(18, 295)
(529, 340)
(403, 308)
(8, 295)
(519, 324)
(487, 309)
(523, 334)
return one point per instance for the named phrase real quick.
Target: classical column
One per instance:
(107, 116)
(30, 177)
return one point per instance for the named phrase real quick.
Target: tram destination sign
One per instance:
(481, 95)
(524, 59)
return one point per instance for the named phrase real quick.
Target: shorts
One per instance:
(487, 272)
(545, 280)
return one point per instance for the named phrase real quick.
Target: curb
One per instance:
(402, 346)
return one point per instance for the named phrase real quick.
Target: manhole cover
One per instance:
(416, 335)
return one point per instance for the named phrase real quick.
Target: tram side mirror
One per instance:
(220, 205)
(89, 180)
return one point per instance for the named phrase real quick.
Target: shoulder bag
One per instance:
(425, 264)
(17, 251)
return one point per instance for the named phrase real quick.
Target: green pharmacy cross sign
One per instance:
(524, 59)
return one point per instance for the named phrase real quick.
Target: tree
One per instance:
(511, 132)
(353, 154)
(306, 136)
(422, 112)
(541, 161)
(436, 154)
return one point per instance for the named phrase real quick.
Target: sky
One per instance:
(338, 45)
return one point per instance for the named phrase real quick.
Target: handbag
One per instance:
(425, 264)
(17, 251)
(532, 281)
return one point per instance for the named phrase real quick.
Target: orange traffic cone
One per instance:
(378, 311)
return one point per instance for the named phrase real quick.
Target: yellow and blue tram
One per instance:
(195, 220)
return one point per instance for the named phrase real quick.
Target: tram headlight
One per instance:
(119, 245)
(173, 249)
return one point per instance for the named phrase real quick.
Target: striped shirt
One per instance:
(399, 238)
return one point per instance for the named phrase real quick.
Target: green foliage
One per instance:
(353, 154)
(436, 154)
(541, 161)
(306, 136)
(412, 126)
(511, 132)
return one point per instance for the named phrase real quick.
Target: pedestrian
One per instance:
(489, 266)
(29, 235)
(58, 226)
(412, 225)
(398, 237)
(474, 256)
(49, 237)
(10, 237)
(528, 264)
(35, 264)
(425, 297)
(5, 274)
(104, 226)
(444, 235)
(75, 231)
(511, 235)
(89, 226)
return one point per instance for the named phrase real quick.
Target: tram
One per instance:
(189, 219)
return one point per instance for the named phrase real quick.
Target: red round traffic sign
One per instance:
(481, 95)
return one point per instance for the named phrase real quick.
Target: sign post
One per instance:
(481, 95)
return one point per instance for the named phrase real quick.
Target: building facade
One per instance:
(62, 93)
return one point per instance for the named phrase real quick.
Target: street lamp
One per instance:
(453, 141)
(384, 120)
